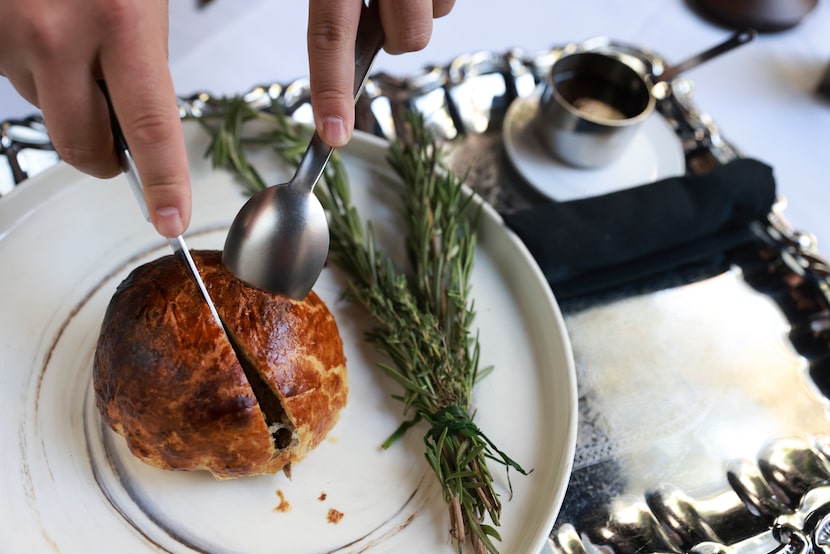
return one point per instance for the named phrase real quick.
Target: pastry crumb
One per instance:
(322, 496)
(283, 506)
(334, 516)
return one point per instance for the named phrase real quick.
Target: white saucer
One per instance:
(654, 154)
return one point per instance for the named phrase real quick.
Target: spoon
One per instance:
(279, 240)
(737, 39)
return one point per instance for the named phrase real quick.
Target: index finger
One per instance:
(332, 27)
(134, 66)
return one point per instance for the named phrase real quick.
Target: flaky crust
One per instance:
(167, 379)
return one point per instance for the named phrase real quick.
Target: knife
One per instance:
(131, 171)
(272, 413)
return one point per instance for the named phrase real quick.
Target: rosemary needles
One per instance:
(422, 314)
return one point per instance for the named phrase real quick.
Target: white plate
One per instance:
(655, 153)
(68, 484)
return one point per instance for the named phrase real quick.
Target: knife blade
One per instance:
(272, 411)
(131, 171)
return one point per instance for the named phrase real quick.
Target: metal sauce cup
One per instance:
(591, 107)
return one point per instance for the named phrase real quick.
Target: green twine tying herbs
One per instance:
(422, 317)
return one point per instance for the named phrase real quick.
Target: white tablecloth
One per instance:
(761, 95)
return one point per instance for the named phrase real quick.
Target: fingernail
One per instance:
(169, 222)
(334, 129)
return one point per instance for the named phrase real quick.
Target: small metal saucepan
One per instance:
(592, 103)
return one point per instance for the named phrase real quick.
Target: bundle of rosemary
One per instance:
(423, 316)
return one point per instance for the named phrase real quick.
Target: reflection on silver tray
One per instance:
(25, 151)
(703, 402)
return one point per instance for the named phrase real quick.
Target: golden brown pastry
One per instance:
(166, 378)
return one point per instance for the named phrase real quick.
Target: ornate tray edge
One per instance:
(785, 490)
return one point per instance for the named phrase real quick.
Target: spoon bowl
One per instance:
(279, 240)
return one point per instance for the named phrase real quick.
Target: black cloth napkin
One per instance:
(594, 244)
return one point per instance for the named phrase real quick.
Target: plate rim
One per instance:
(40, 189)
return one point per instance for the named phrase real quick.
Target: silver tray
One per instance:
(702, 400)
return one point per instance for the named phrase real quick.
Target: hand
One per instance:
(55, 51)
(332, 26)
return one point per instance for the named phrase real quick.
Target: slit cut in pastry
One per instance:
(167, 379)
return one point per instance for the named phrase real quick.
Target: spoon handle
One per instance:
(368, 43)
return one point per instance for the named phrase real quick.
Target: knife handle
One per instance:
(124, 156)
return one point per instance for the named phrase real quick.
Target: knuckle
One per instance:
(77, 155)
(410, 40)
(162, 188)
(117, 14)
(43, 36)
(90, 160)
(148, 127)
(52, 32)
(330, 35)
(331, 95)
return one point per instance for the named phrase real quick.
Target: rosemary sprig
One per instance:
(423, 317)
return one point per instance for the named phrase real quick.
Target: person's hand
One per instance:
(332, 25)
(55, 51)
